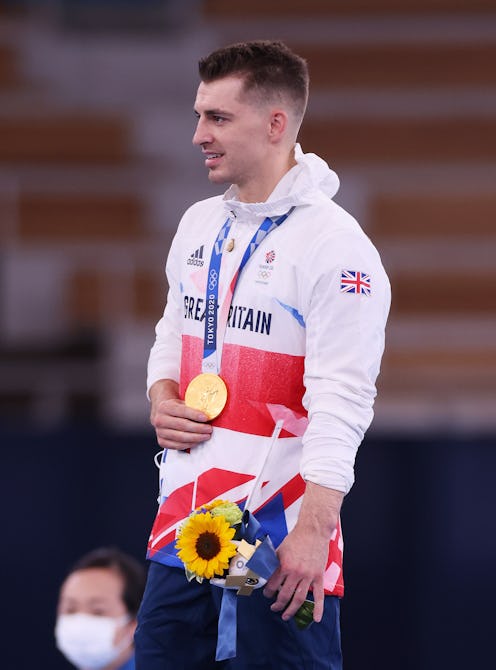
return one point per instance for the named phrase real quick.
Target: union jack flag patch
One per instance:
(355, 282)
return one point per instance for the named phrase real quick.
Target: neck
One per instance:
(260, 189)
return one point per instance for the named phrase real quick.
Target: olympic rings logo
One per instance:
(264, 274)
(212, 280)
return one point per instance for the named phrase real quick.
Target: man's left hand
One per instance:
(304, 552)
(302, 558)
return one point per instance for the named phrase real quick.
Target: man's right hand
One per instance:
(176, 425)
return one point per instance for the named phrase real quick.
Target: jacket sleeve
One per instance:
(165, 355)
(344, 346)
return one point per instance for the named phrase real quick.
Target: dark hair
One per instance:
(132, 572)
(268, 67)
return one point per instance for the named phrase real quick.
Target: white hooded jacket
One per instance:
(303, 346)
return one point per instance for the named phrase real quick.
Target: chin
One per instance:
(217, 177)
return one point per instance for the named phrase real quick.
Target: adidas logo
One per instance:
(196, 257)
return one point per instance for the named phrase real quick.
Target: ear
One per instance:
(278, 125)
(132, 625)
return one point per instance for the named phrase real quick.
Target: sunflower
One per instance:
(204, 545)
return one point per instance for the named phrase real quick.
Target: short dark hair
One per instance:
(268, 67)
(131, 570)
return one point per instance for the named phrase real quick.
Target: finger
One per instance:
(168, 420)
(195, 415)
(182, 425)
(177, 446)
(299, 597)
(293, 602)
(173, 439)
(284, 596)
(274, 584)
(179, 409)
(318, 610)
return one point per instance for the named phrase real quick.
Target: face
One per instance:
(234, 135)
(96, 591)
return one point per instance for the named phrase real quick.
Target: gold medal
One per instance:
(208, 393)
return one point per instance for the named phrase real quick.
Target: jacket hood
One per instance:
(311, 177)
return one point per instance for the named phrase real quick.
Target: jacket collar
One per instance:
(310, 178)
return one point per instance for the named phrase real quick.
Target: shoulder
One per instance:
(327, 240)
(325, 229)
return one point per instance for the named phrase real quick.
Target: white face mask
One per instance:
(87, 641)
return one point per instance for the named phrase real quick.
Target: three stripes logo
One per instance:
(196, 257)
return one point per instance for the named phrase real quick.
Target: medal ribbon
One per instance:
(215, 324)
(264, 563)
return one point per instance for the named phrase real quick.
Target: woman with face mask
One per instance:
(96, 613)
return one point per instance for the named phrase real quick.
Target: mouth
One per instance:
(212, 159)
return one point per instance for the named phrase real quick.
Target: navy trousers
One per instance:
(177, 630)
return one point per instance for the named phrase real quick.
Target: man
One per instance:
(275, 291)
(96, 612)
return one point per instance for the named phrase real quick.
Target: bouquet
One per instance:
(219, 542)
(206, 541)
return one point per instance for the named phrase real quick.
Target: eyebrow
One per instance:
(214, 112)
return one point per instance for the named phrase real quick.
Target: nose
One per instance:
(201, 135)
